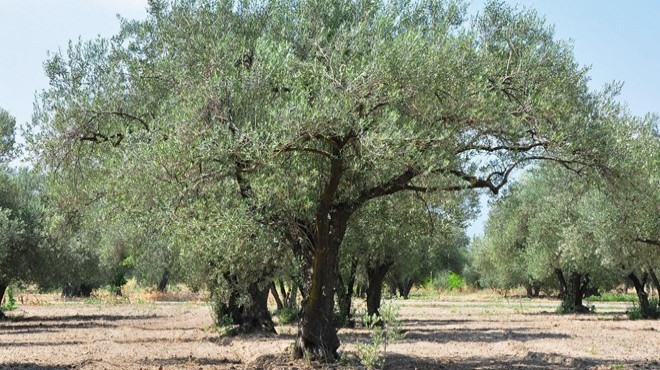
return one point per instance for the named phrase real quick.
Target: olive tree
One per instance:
(309, 110)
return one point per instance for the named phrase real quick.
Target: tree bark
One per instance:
(376, 276)
(162, 284)
(278, 301)
(642, 296)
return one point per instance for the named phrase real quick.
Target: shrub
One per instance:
(653, 313)
(287, 315)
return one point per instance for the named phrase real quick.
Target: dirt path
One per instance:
(438, 335)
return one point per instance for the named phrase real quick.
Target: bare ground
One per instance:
(452, 333)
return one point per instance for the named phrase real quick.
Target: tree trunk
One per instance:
(254, 317)
(576, 289)
(642, 296)
(80, 291)
(405, 287)
(345, 295)
(278, 301)
(529, 290)
(392, 289)
(563, 286)
(376, 276)
(293, 297)
(656, 283)
(317, 334)
(162, 284)
(536, 289)
(3, 288)
(283, 292)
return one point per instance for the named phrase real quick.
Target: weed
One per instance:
(385, 329)
(11, 301)
(653, 312)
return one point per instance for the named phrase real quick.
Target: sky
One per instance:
(619, 39)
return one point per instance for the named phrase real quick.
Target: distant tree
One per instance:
(7, 133)
(23, 251)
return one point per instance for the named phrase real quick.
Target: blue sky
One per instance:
(619, 39)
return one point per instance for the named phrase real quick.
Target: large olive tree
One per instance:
(307, 110)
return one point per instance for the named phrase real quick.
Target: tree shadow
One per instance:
(52, 327)
(203, 361)
(40, 324)
(41, 344)
(532, 361)
(92, 317)
(423, 322)
(483, 335)
(31, 366)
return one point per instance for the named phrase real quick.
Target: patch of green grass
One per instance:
(613, 297)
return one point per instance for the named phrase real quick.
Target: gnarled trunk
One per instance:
(642, 296)
(251, 318)
(376, 276)
(317, 333)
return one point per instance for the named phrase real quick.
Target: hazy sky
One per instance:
(619, 39)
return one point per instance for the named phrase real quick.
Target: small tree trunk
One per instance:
(656, 283)
(563, 286)
(376, 276)
(528, 289)
(283, 291)
(293, 297)
(392, 289)
(642, 296)
(536, 289)
(162, 284)
(276, 296)
(3, 288)
(575, 292)
(345, 295)
(405, 287)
